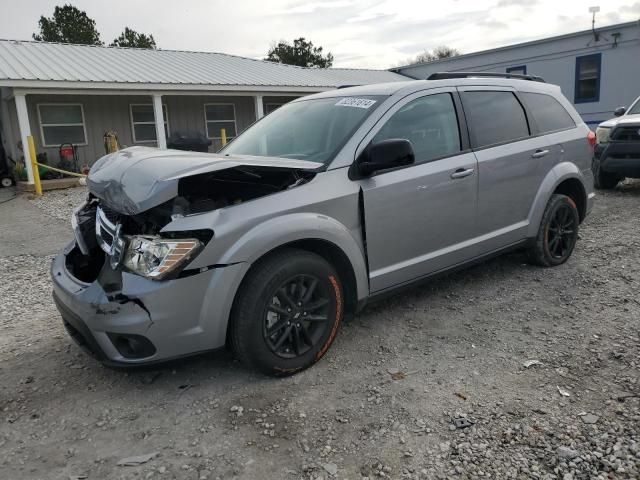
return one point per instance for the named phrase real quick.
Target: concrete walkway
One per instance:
(25, 229)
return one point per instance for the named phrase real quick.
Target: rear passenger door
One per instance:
(511, 163)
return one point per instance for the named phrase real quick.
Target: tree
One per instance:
(436, 54)
(68, 25)
(301, 53)
(133, 39)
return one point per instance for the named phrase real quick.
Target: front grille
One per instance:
(108, 234)
(113, 216)
(626, 134)
(105, 230)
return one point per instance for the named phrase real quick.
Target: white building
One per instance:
(597, 70)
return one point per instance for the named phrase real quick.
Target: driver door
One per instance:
(419, 219)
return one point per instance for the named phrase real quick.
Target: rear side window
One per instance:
(429, 123)
(494, 117)
(547, 112)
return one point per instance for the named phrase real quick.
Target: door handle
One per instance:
(539, 153)
(462, 172)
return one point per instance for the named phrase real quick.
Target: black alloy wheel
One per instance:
(557, 234)
(561, 232)
(297, 316)
(287, 312)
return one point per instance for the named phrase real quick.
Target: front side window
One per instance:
(494, 117)
(143, 123)
(219, 116)
(313, 129)
(62, 123)
(547, 112)
(587, 87)
(429, 123)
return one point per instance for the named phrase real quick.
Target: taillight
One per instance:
(591, 138)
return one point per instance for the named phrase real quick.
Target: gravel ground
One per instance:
(437, 382)
(60, 203)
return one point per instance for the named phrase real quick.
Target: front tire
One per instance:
(557, 234)
(287, 312)
(604, 180)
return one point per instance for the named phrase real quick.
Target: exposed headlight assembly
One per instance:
(156, 258)
(602, 134)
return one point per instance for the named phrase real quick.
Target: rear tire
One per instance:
(287, 312)
(604, 180)
(557, 234)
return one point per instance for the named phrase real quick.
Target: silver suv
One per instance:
(323, 205)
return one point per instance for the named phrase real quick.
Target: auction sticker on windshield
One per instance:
(355, 102)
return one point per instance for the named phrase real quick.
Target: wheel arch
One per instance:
(329, 251)
(564, 178)
(574, 189)
(315, 233)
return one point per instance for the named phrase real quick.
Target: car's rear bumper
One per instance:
(145, 321)
(622, 158)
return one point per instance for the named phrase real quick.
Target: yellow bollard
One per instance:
(223, 136)
(34, 166)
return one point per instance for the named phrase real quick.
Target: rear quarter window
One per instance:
(547, 112)
(494, 117)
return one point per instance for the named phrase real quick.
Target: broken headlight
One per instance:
(156, 257)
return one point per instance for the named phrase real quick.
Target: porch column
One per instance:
(259, 110)
(159, 118)
(7, 133)
(25, 131)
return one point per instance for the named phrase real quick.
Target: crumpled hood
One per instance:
(136, 179)
(633, 119)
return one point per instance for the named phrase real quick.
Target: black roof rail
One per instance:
(446, 75)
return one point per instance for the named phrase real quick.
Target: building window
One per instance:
(61, 123)
(519, 70)
(271, 107)
(143, 123)
(218, 116)
(588, 70)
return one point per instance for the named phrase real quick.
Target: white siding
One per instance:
(555, 61)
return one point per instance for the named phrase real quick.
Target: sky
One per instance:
(359, 33)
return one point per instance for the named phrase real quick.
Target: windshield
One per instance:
(635, 108)
(306, 130)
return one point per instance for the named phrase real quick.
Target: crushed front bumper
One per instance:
(622, 158)
(146, 321)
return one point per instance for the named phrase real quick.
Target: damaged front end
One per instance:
(124, 286)
(133, 240)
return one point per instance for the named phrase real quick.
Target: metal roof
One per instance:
(42, 64)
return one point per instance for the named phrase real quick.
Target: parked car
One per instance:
(617, 152)
(327, 203)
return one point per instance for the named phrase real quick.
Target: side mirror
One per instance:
(391, 153)
(618, 112)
